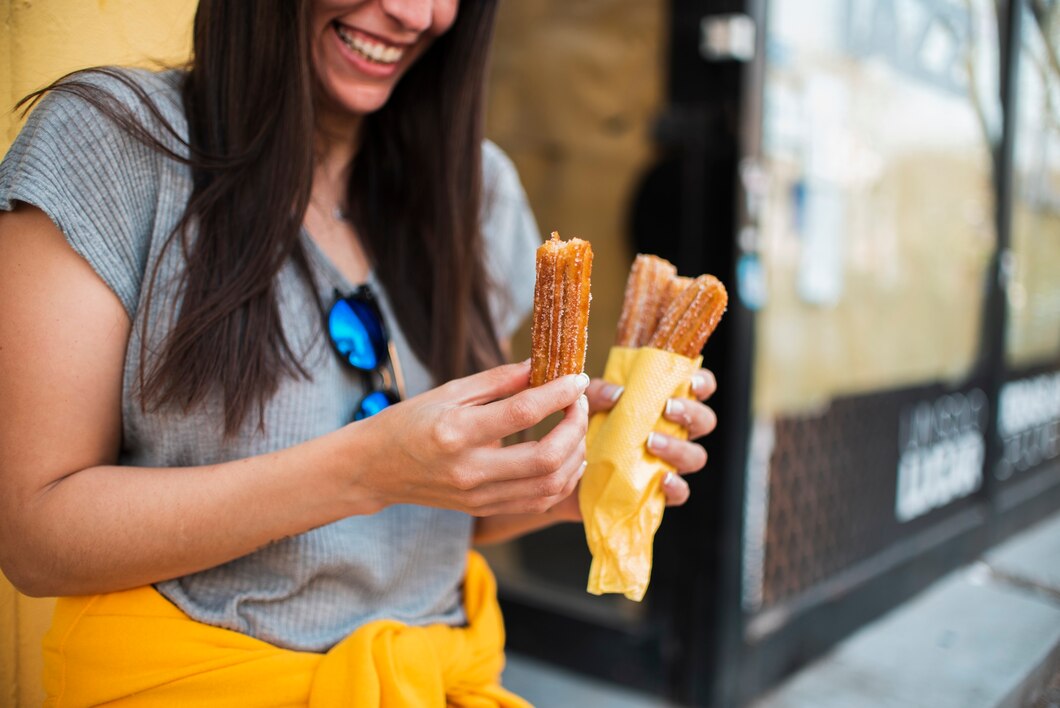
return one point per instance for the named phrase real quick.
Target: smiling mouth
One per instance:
(373, 51)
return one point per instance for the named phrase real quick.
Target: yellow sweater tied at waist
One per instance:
(135, 648)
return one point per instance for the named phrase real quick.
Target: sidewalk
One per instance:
(985, 636)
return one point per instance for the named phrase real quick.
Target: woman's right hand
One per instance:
(443, 448)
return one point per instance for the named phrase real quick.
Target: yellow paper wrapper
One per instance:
(621, 495)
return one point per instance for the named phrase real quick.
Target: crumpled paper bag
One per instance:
(621, 495)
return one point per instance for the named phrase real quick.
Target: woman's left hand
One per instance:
(685, 455)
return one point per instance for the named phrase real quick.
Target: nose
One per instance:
(413, 15)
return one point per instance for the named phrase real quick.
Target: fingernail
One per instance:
(581, 470)
(674, 407)
(612, 392)
(670, 479)
(583, 401)
(656, 441)
(582, 381)
(698, 382)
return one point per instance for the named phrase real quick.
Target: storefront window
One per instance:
(879, 121)
(875, 240)
(1029, 406)
(1033, 337)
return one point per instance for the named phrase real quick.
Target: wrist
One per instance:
(352, 461)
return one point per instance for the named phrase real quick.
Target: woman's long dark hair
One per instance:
(414, 194)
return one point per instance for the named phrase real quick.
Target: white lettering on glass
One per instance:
(941, 452)
(1029, 423)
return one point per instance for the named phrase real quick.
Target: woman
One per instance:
(177, 447)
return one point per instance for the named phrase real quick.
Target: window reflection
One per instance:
(879, 226)
(1033, 336)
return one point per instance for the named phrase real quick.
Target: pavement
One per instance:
(984, 636)
(547, 686)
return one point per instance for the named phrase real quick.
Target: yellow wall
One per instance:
(40, 40)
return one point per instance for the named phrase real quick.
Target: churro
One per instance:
(645, 301)
(692, 317)
(675, 287)
(559, 331)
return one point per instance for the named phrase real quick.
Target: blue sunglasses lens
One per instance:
(356, 330)
(357, 333)
(373, 403)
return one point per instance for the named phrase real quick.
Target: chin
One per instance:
(361, 103)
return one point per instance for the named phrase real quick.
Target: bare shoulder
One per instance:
(36, 258)
(63, 337)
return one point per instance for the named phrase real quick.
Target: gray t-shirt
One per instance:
(116, 201)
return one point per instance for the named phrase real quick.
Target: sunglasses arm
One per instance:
(395, 364)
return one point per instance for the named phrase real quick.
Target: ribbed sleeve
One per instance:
(96, 183)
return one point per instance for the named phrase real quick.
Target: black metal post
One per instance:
(995, 323)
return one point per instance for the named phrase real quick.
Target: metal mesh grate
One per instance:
(832, 490)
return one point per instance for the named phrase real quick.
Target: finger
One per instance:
(549, 503)
(572, 484)
(704, 384)
(675, 489)
(685, 456)
(602, 395)
(535, 495)
(491, 384)
(524, 409)
(695, 417)
(542, 457)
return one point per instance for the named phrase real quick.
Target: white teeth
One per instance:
(377, 52)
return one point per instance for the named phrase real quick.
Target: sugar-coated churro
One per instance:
(675, 287)
(646, 298)
(692, 317)
(559, 331)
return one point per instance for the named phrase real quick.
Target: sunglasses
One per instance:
(358, 334)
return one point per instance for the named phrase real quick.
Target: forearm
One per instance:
(505, 527)
(108, 528)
